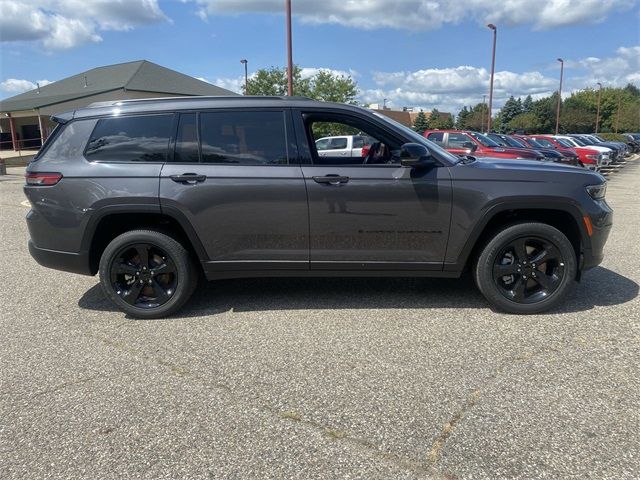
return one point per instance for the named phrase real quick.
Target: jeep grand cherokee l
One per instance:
(155, 193)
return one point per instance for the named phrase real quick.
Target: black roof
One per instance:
(154, 105)
(141, 76)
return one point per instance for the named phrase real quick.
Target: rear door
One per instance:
(233, 181)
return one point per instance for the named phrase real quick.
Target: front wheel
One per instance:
(147, 274)
(526, 268)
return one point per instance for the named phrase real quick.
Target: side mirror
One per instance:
(415, 155)
(470, 146)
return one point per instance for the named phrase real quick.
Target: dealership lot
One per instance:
(320, 378)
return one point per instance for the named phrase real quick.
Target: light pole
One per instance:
(384, 103)
(493, 66)
(287, 4)
(246, 77)
(598, 107)
(559, 96)
(484, 104)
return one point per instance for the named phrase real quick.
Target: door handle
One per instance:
(190, 178)
(331, 179)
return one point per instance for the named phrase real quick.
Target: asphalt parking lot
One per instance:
(314, 378)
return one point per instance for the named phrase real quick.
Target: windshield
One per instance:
(538, 143)
(586, 140)
(496, 138)
(579, 141)
(483, 139)
(417, 138)
(515, 143)
(545, 143)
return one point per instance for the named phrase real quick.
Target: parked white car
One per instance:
(607, 153)
(343, 146)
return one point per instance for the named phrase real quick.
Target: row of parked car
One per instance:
(588, 150)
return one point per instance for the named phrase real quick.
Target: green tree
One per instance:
(463, 117)
(478, 118)
(525, 122)
(324, 85)
(421, 123)
(511, 109)
(545, 111)
(527, 104)
(438, 120)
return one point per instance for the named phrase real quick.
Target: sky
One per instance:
(416, 53)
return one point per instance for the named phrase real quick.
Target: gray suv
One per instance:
(154, 194)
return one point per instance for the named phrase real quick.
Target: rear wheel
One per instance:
(526, 268)
(147, 274)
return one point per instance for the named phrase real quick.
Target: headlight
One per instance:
(597, 192)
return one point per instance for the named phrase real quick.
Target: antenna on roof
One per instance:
(38, 86)
(85, 81)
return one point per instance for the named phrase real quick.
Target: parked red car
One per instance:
(473, 143)
(590, 158)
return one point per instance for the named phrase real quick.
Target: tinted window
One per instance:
(243, 138)
(457, 140)
(484, 140)
(67, 141)
(131, 139)
(187, 140)
(323, 144)
(543, 142)
(338, 143)
(358, 142)
(437, 137)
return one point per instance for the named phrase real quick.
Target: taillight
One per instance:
(38, 179)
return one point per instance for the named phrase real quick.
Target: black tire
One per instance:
(151, 270)
(508, 276)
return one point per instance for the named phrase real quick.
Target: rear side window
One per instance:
(457, 140)
(243, 138)
(142, 138)
(339, 143)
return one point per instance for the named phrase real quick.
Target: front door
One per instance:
(369, 212)
(231, 179)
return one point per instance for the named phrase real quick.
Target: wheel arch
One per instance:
(112, 222)
(565, 217)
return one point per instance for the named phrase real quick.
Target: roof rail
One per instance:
(192, 98)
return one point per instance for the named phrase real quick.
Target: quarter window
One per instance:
(131, 139)
(243, 138)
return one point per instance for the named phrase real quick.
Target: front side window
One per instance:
(437, 137)
(371, 145)
(243, 138)
(143, 138)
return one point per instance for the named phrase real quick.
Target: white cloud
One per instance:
(612, 71)
(14, 85)
(449, 89)
(64, 24)
(426, 14)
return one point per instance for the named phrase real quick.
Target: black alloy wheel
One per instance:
(144, 275)
(528, 270)
(147, 274)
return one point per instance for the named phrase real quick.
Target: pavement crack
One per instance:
(62, 386)
(441, 439)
